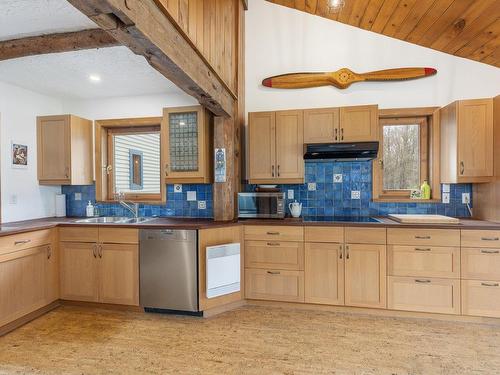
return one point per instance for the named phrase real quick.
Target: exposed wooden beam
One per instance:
(55, 43)
(147, 31)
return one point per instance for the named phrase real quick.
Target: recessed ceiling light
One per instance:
(335, 5)
(94, 78)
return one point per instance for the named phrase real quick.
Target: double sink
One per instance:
(115, 220)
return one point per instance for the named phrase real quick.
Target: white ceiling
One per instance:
(66, 74)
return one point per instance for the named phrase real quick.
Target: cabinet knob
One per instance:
(278, 170)
(49, 252)
(336, 131)
(166, 169)
(272, 171)
(422, 281)
(342, 134)
(462, 167)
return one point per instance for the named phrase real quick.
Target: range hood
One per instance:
(358, 151)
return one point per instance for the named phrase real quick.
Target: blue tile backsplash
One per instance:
(334, 199)
(177, 203)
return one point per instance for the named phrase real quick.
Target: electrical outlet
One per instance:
(13, 199)
(446, 188)
(355, 194)
(311, 186)
(177, 188)
(446, 198)
(337, 178)
(191, 196)
(202, 205)
(78, 196)
(290, 194)
(465, 198)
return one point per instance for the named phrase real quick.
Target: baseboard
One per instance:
(224, 308)
(105, 306)
(9, 327)
(376, 312)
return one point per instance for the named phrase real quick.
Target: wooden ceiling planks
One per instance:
(465, 28)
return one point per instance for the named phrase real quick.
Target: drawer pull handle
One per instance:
(489, 238)
(273, 244)
(273, 233)
(422, 249)
(422, 281)
(489, 284)
(22, 242)
(273, 272)
(490, 251)
(423, 237)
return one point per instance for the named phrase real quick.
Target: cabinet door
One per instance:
(262, 146)
(119, 274)
(79, 271)
(274, 254)
(289, 145)
(22, 280)
(276, 285)
(54, 148)
(324, 273)
(321, 125)
(365, 275)
(52, 274)
(475, 138)
(358, 124)
(481, 298)
(481, 264)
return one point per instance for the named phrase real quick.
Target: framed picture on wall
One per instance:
(19, 155)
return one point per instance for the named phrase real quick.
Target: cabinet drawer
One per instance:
(430, 261)
(481, 264)
(276, 285)
(480, 238)
(274, 254)
(274, 232)
(78, 234)
(419, 237)
(119, 235)
(324, 234)
(481, 298)
(424, 294)
(362, 235)
(21, 241)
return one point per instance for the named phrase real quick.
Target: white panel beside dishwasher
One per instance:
(223, 269)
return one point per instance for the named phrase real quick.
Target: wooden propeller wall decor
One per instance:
(344, 77)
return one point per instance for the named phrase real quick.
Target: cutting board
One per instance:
(425, 219)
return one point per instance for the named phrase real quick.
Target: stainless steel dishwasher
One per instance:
(169, 270)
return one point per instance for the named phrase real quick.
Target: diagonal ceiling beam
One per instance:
(147, 31)
(55, 43)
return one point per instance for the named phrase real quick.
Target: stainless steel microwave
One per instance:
(264, 205)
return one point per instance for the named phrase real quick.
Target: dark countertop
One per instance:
(181, 223)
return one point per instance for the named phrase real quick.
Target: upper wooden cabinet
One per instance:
(188, 142)
(64, 150)
(467, 141)
(276, 147)
(345, 124)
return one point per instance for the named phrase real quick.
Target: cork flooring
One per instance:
(250, 340)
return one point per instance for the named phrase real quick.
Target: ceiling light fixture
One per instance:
(335, 5)
(94, 78)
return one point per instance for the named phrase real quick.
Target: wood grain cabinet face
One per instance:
(52, 286)
(274, 254)
(481, 263)
(423, 237)
(289, 145)
(324, 273)
(424, 294)
(481, 298)
(358, 124)
(262, 145)
(365, 275)
(276, 285)
(481, 238)
(321, 125)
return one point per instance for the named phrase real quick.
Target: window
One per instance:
(407, 149)
(129, 154)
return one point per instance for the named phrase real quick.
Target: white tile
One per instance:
(78, 196)
(337, 178)
(445, 198)
(191, 196)
(202, 205)
(446, 188)
(311, 186)
(177, 188)
(355, 194)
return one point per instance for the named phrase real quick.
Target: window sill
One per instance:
(406, 200)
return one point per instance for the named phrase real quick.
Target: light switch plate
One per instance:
(78, 196)
(337, 178)
(311, 186)
(446, 188)
(446, 198)
(355, 194)
(465, 198)
(290, 194)
(177, 188)
(191, 196)
(13, 199)
(202, 205)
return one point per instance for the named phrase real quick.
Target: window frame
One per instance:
(428, 120)
(104, 171)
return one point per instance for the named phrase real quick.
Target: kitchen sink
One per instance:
(115, 220)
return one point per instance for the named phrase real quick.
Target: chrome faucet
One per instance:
(130, 206)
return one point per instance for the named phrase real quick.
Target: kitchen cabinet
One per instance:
(481, 298)
(187, 144)
(276, 285)
(275, 141)
(274, 254)
(467, 141)
(64, 150)
(321, 125)
(100, 265)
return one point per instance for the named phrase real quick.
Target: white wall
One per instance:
(18, 111)
(282, 40)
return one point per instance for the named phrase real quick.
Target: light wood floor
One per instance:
(250, 340)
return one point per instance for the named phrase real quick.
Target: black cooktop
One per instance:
(343, 219)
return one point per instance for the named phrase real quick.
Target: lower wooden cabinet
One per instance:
(432, 295)
(274, 254)
(277, 285)
(481, 263)
(481, 298)
(365, 275)
(52, 281)
(324, 273)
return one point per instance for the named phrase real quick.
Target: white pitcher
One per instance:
(295, 208)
